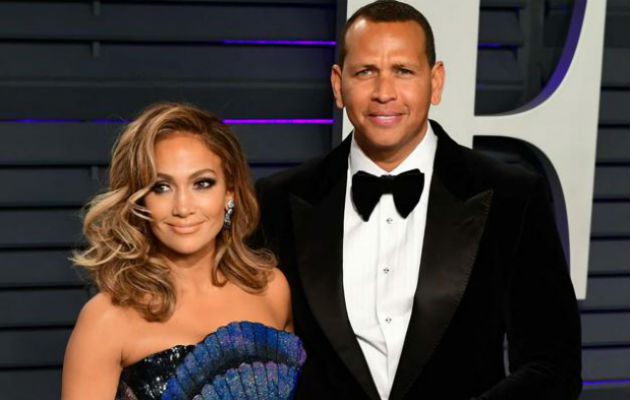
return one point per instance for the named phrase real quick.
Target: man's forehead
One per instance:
(366, 32)
(363, 25)
(358, 25)
(401, 38)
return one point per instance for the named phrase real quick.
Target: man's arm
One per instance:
(542, 319)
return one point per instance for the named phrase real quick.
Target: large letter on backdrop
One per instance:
(560, 124)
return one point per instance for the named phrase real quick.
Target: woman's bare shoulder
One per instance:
(278, 294)
(278, 285)
(102, 321)
(92, 362)
(101, 311)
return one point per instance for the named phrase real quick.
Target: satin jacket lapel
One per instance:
(452, 235)
(318, 229)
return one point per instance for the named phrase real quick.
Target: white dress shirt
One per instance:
(381, 263)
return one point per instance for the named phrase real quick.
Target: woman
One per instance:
(184, 306)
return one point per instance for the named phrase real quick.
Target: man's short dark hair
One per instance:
(389, 11)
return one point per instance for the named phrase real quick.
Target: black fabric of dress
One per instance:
(146, 379)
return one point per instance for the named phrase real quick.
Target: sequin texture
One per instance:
(146, 379)
(242, 360)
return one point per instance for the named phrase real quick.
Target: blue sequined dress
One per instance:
(241, 360)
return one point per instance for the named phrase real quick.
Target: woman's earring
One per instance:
(227, 220)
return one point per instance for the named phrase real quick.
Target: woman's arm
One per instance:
(92, 363)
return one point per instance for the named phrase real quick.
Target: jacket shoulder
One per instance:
(470, 171)
(304, 181)
(508, 179)
(290, 178)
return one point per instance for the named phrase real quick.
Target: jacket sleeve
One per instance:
(258, 238)
(266, 234)
(541, 315)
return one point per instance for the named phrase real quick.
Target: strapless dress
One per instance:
(241, 360)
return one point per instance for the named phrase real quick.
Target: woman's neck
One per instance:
(191, 272)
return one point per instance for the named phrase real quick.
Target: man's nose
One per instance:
(183, 206)
(384, 89)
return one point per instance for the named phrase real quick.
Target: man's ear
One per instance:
(438, 74)
(335, 82)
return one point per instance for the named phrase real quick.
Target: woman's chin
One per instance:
(187, 250)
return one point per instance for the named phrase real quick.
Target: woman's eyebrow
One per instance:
(193, 175)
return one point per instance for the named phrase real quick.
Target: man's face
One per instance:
(387, 85)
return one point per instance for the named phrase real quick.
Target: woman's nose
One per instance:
(182, 206)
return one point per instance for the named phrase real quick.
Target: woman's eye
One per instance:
(160, 187)
(205, 183)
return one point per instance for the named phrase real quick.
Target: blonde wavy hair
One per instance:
(121, 258)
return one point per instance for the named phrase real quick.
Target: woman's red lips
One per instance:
(185, 228)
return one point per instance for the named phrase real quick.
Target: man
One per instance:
(410, 258)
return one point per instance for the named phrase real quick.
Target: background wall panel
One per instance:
(605, 329)
(28, 347)
(86, 144)
(510, 72)
(607, 293)
(609, 256)
(155, 21)
(47, 187)
(32, 308)
(123, 100)
(147, 61)
(37, 268)
(613, 145)
(18, 383)
(24, 228)
(607, 364)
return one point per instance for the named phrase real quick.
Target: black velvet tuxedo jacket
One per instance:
(492, 265)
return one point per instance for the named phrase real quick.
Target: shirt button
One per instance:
(389, 220)
(386, 270)
(388, 320)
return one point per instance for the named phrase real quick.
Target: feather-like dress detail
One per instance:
(241, 360)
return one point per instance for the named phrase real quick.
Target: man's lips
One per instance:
(385, 118)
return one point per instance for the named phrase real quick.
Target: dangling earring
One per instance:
(227, 220)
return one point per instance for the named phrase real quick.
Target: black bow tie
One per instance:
(367, 190)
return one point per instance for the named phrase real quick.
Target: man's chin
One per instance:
(381, 142)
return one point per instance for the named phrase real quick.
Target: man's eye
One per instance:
(160, 187)
(363, 72)
(405, 71)
(205, 183)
